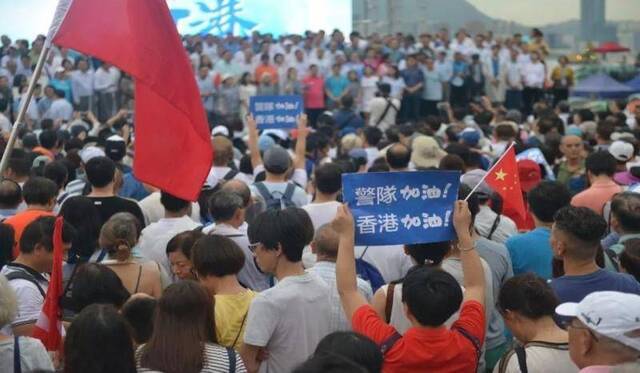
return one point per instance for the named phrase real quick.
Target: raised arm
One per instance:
(346, 263)
(254, 150)
(301, 142)
(474, 283)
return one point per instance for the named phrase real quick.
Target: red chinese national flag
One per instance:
(503, 179)
(48, 328)
(173, 146)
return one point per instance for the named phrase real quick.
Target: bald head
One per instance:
(325, 243)
(223, 151)
(398, 156)
(240, 188)
(10, 194)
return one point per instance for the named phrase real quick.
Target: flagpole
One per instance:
(488, 172)
(23, 109)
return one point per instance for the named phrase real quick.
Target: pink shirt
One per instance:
(314, 92)
(597, 195)
(596, 369)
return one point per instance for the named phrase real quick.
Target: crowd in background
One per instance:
(261, 274)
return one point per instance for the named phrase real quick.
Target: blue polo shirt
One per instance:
(531, 252)
(336, 84)
(575, 288)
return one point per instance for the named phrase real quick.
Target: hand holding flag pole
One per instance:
(489, 172)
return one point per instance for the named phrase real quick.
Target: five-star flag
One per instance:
(504, 180)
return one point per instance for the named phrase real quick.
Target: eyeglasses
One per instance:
(254, 246)
(572, 324)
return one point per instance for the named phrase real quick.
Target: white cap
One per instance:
(610, 313)
(281, 134)
(115, 138)
(220, 130)
(90, 152)
(622, 151)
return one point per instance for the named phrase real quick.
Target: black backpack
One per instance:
(277, 203)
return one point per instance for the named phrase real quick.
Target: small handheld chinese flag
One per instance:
(503, 179)
(48, 328)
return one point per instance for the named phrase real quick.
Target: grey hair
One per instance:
(120, 227)
(8, 302)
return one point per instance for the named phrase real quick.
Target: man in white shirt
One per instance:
(28, 274)
(534, 75)
(227, 210)
(288, 320)
(106, 82)
(514, 86)
(221, 172)
(82, 86)
(327, 183)
(60, 109)
(207, 88)
(5, 123)
(371, 137)
(154, 238)
(383, 109)
(325, 246)
(445, 69)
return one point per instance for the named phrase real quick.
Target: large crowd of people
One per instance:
(262, 274)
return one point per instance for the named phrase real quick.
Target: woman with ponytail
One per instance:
(118, 237)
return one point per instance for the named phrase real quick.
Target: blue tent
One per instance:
(634, 83)
(601, 86)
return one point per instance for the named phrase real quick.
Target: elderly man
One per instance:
(604, 332)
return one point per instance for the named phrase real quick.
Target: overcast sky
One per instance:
(540, 12)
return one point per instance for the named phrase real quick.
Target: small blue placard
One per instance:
(395, 208)
(276, 111)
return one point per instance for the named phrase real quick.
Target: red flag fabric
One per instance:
(173, 144)
(48, 328)
(503, 179)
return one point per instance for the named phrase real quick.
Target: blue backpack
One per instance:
(369, 272)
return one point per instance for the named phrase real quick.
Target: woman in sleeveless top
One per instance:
(118, 236)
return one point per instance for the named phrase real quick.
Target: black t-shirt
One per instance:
(109, 206)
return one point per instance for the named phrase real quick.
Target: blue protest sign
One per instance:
(393, 208)
(536, 155)
(276, 111)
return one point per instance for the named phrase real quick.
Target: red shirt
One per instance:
(20, 221)
(313, 92)
(426, 349)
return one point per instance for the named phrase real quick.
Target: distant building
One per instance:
(593, 23)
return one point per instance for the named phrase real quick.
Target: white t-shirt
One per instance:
(376, 107)
(30, 299)
(156, 236)
(153, 210)
(541, 357)
(289, 320)
(33, 355)
(277, 190)
(391, 261)
(218, 173)
(5, 124)
(60, 109)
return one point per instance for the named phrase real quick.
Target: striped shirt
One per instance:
(215, 360)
